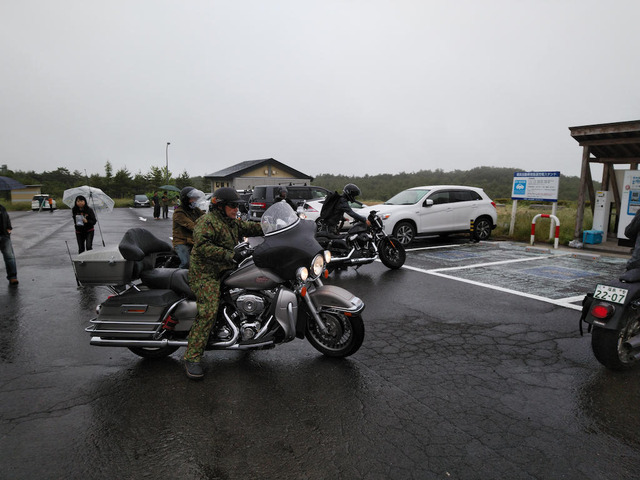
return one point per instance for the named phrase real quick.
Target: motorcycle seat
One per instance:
(631, 276)
(175, 279)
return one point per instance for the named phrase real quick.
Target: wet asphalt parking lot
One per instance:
(472, 368)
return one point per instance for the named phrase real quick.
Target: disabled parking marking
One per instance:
(558, 273)
(562, 302)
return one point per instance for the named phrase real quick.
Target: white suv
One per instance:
(437, 210)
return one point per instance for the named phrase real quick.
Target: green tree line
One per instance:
(121, 184)
(496, 182)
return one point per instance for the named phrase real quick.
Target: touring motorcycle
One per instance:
(612, 312)
(273, 296)
(361, 245)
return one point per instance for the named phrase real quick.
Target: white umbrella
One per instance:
(96, 199)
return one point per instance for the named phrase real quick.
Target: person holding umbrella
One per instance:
(7, 248)
(84, 220)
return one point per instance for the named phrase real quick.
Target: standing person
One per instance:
(84, 219)
(282, 197)
(215, 236)
(50, 204)
(156, 205)
(7, 248)
(184, 221)
(632, 232)
(165, 205)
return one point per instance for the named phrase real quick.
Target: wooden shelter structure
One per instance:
(609, 144)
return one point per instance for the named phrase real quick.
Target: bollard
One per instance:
(533, 228)
(472, 231)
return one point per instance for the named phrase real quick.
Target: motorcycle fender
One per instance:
(617, 320)
(330, 297)
(286, 312)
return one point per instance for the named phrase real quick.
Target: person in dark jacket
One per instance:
(632, 232)
(215, 236)
(184, 221)
(84, 220)
(7, 248)
(156, 205)
(340, 206)
(282, 197)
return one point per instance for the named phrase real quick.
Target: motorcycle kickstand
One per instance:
(314, 313)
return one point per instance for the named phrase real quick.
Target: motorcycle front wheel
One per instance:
(148, 352)
(392, 253)
(343, 337)
(607, 345)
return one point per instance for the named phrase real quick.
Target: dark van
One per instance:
(264, 195)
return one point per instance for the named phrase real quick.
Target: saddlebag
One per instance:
(135, 314)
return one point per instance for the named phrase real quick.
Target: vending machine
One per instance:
(629, 200)
(601, 212)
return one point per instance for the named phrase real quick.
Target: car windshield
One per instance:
(141, 198)
(408, 197)
(278, 218)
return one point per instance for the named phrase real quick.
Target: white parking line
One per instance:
(562, 302)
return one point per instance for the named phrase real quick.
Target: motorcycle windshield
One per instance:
(289, 244)
(278, 218)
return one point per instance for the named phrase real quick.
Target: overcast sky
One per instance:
(344, 87)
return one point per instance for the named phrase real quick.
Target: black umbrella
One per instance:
(7, 183)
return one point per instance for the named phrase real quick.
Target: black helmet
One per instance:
(351, 191)
(283, 190)
(225, 195)
(184, 196)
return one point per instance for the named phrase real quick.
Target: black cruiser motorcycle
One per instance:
(273, 296)
(613, 315)
(361, 245)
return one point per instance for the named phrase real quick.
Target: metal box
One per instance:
(103, 267)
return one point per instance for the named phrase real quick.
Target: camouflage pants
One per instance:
(208, 297)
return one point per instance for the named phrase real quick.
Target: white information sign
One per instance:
(536, 186)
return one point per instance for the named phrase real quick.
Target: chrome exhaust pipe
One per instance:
(632, 343)
(127, 342)
(130, 342)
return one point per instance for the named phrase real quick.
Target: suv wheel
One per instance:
(483, 228)
(405, 232)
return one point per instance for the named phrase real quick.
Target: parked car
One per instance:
(42, 200)
(264, 195)
(141, 201)
(312, 210)
(437, 210)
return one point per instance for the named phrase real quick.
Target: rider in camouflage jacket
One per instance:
(215, 235)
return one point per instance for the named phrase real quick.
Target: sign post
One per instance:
(537, 186)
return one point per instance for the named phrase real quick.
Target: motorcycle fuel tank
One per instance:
(251, 277)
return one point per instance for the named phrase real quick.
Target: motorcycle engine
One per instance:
(249, 307)
(360, 240)
(249, 304)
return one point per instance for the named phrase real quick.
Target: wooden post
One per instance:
(581, 193)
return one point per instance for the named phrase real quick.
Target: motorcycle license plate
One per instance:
(610, 294)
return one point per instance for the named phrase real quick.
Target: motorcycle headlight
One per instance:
(317, 266)
(302, 274)
(327, 256)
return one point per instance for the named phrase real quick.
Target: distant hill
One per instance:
(497, 182)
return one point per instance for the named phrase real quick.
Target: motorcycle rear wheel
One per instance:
(607, 345)
(343, 338)
(392, 253)
(148, 352)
